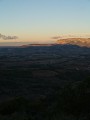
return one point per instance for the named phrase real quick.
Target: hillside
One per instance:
(45, 83)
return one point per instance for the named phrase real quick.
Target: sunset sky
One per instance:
(37, 21)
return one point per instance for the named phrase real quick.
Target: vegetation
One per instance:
(45, 83)
(70, 102)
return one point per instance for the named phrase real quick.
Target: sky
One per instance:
(39, 21)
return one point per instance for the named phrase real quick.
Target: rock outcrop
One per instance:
(75, 41)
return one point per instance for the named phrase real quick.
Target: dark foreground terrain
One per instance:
(45, 83)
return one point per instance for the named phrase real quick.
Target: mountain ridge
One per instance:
(82, 42)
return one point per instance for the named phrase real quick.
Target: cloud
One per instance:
(56, 37)
(66, 36)
(4, 37)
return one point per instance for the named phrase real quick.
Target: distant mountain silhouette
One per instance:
(28, 45)
(82, 42)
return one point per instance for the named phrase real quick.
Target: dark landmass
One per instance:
(45, 82)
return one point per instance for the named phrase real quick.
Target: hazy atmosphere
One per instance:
(39, 21)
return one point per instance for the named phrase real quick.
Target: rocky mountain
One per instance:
(75, 41)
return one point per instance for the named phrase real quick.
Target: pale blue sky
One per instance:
(39, 20)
